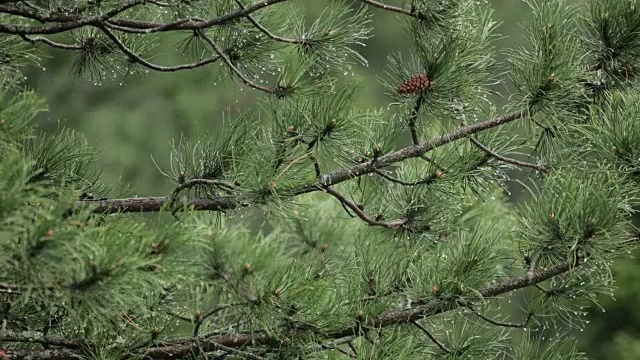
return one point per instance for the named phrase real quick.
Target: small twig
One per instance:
(413, 128)
(334, 344)
(346, 209)
(499, 157)
(545, 291)
(415, 138)
(159, 3)
(265, 30)
(342, 351)
(398, 10)
(432, 337)
(353, 348)
(500, 323)
(535, 121)
(433, 162)
(154, 204)
(138, 59)
(51, 43)
(73, 21)
(233, 68)
(178, 316)
(224, 330)
(356, 209)
(293, 162)
(316, 165)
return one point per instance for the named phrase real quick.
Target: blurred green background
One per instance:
(132, 119)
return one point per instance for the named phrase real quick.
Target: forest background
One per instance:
(133, 119)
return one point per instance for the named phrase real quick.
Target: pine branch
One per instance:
(69, 22)
(200, 319)
(151, 204)
(155, 204)
(441, 306)
(138, 59)
(36, 338)
(64, 20)
(398, 317)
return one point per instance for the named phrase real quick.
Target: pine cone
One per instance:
(415, 83)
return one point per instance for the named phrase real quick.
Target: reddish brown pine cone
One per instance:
(415, 83)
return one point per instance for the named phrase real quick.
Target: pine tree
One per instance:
(312, 228)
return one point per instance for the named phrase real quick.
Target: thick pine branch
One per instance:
(151, 204)
(154, 204)
(257, 338)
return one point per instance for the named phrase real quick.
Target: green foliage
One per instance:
(614, 134)
(332, 237)
(458, 62)
(559, 347)
(329, 39)
(577, 215)
(547, 72)
(610, 35)
(17, 113)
